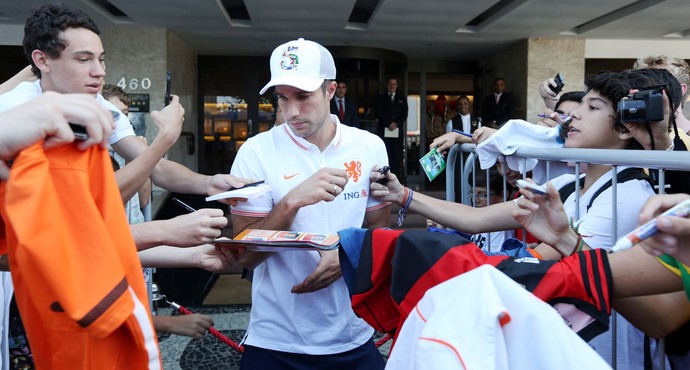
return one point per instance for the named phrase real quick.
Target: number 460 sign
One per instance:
(134, 83)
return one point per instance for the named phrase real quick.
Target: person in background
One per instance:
(484, 196)
(463, 120)
(391, 113)
(345, 109)
(681, 71)
(438, 111)
(121, 101)
(498, 107)
(676, 345)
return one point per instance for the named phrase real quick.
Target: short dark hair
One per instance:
(44, 25)
(113, 91)
(499, 79)
(612, 86)
(648, 77)
(324, 86)
(574, 96)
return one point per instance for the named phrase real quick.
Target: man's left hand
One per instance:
(326, 272)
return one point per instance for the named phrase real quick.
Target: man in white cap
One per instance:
(319, 172)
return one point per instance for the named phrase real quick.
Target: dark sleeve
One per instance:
(511, 108)
(334, 108)
(679, 180)
(355, 116)
(486, 115)
(379, 110)
(404, 109)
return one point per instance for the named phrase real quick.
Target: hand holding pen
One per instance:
(553, 119)
(669, 232)
(209, 224)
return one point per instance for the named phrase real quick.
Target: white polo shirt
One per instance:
(321, 322)
(26, 91)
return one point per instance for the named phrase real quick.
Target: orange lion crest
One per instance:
(354, 170)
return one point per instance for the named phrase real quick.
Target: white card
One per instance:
(248, 192)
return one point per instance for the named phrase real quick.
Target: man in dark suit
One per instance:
(463, 120)
(343, 108)
(391, 113)
(498, 107)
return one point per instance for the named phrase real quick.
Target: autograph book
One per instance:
(276, 240)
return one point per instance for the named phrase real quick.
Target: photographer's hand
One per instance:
(660, 137)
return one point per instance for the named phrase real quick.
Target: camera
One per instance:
(643, 106)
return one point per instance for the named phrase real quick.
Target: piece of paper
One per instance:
(277, 240)
(389, 133)
(248, 192)
(433, 164)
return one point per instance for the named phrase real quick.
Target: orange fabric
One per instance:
(534, 253)
(74, 263)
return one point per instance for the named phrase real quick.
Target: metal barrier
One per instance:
(661, 160)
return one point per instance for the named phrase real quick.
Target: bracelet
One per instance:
(578, 245)
(407, 199)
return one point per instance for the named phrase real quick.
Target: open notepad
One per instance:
(247, 192)
(276, 240)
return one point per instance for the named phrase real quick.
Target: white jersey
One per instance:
(484, 320)
(321, 322)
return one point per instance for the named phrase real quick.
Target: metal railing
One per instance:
(661, 160)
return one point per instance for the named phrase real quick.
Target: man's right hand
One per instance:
(326, 184)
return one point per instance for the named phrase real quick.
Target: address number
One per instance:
(134, 83)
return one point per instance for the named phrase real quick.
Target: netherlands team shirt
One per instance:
(321, 322)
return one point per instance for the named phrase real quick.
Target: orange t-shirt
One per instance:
(77, 276)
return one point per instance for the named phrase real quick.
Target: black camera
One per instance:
(642, 106)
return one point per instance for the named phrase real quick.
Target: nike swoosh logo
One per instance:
(286, 177)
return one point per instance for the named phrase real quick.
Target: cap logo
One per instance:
(290, 60)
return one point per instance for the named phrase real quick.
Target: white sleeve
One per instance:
(449, 126)
(123, 127)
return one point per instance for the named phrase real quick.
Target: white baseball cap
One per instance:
(302, 64)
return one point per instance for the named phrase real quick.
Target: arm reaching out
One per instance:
(46, 118)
